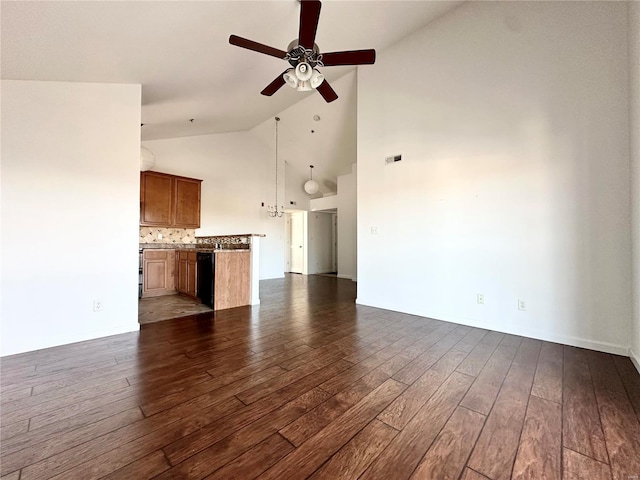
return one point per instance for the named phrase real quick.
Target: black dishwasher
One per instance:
(206, 277)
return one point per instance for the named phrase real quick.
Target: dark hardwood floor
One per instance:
(310, 385)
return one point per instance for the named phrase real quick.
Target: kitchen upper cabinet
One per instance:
(158, 272)
(187, 202)
(169, 201)
(156, 199)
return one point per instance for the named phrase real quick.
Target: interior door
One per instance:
(334, 243)
(297, 242)
(287, 243)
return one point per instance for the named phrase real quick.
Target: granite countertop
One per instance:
(235, 235)
(167, 245)
(217, 250)
(192, 246)
(214, 243)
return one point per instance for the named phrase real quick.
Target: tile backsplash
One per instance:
(169, 235)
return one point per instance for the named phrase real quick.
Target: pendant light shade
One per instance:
(311, 186)
(147, 159)
(304, 71)
(316, 79)
(290, 78)
(304, 86)
(303, 77)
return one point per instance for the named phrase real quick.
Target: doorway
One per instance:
(296, 243)
(334, 242)
(311, 242)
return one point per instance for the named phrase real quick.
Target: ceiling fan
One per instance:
(304, 56)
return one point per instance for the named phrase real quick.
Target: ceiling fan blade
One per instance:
(274, 86)
(309, 16)
(256, 47)
(352, 57)
(328, 93)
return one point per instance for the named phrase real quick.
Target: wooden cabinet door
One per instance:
(192, 278)
(187, 272)
(157, 271)
(182, 271)
(186, 195)
(156, 199)
(232, 280)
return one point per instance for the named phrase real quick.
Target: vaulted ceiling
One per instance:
(179, 51)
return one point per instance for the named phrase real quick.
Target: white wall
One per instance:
(634, 104)
(331, 147)
(324, 203)
(320, 242)
(347, 225)
(238, 174)
(294, 189)
(70, 208)
(512, 118)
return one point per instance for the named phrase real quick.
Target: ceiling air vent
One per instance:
(393, 159)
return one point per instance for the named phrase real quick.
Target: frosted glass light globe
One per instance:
(311, 187)
(147, 159)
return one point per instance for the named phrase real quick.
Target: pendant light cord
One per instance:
(277, 122)
(273, 210)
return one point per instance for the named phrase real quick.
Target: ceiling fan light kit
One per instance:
(303, 77)
(304, 56)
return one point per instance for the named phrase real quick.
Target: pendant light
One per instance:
(311, 186)
(273, 209)
(147, 159)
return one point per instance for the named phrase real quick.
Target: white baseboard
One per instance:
(514, 330)
(347, 277)
(67, 339)
(272, 278)
(635, 359)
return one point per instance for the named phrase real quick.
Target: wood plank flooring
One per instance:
(310, 385)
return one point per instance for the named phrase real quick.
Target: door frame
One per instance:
(305, 241)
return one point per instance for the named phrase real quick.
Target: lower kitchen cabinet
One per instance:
(187, 272)
(232, 279)
(158, 272)
(166, 271)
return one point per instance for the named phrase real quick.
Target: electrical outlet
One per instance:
(522, 305)
(480, 299)
(98, 305)
(159, 236)
(374, 230)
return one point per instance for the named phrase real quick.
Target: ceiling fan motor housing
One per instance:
(296, 53)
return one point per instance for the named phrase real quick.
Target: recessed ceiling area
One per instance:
(179, 51)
